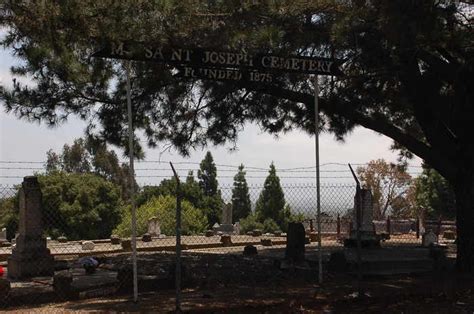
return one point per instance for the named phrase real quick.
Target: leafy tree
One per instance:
(164, 207)
(408, 67)
(9, 214)
(207, 175)
(190, 191)
(388, 183)
(270, 226)
(241, 205)
(90, 156)
(288, 216)
(250, 223)
(271, 201)
(79, 206)
(405, 206)
(434, 195)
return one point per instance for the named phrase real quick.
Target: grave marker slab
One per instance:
(30, 256)
(226, 226)
(154, 228)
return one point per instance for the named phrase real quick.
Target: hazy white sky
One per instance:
(27, 142)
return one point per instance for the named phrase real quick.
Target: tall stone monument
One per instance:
(30, 257)
(363, 200)
(226, 226)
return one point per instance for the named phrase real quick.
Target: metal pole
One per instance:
(132, 185)
(178, 242)
(318, 194)
(358, 212)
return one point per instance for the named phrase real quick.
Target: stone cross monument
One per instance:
(30, 257)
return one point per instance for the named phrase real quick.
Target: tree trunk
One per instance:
(464, 191)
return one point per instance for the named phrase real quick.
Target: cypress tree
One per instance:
(241, 206)
(207, 175)
(213, 203)
(271, 202)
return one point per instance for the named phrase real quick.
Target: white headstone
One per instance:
(429, 238)
(237, 227)
(3, 234)
(364, 196)
(154, 228)
(88, 245)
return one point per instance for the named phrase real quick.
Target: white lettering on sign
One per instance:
(218, 59)
(296, 64)
(227, 75)
(119, 49)
(154, 53)
(177, 55)
(226, 58)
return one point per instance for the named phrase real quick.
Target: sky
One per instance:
(23, 148)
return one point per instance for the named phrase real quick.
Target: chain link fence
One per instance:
(78, 238)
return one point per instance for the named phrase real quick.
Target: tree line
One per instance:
(86, 195)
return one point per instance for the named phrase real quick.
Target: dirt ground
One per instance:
(236, 284)
(446, 293)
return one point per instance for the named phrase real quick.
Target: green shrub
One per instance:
(193, 220)
(250, 223)
(79, 206)
(9, 215)
(269, 225)
(287, 216)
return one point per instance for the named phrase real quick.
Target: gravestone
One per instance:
(3, 235)
(146, 237)
(363, 200)
(62, 285)
(215, 227)
(87, 245)
(209, 233)
(154, 228)
(227, 214)
(126, 245)
(449, 235)
(429, 238)
(226, 226)
(237, 228)
(295, 240)
(115, 239)
(226, 240)
(30, 257)
(266, 242)
(250, 250)
(257, 233)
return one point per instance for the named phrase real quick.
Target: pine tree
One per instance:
(241, 206)
(271, 202)
(207, 175)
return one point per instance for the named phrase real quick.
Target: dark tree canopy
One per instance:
(409, 70)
